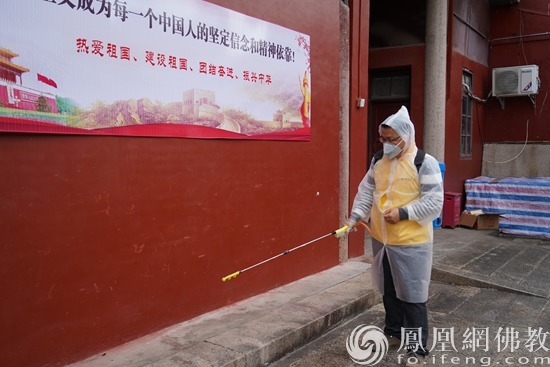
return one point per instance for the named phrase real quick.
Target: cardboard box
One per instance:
(479, 220)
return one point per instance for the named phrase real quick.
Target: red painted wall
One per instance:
(105, 239)
(528, 18)
(458, 170)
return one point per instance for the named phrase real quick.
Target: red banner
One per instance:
(149, 71)
(46, 80)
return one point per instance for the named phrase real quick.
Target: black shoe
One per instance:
(393, 342)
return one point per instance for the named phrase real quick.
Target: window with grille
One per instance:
(390, 87)
(466, 118)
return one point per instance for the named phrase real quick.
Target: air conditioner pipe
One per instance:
(522, 36)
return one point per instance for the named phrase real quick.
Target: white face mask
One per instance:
(391, 151)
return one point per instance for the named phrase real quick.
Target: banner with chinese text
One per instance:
(174, 68)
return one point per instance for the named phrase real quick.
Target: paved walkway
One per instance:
(266, 327)
(487, 259)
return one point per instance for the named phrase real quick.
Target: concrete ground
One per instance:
(457, 313)
(480, 280)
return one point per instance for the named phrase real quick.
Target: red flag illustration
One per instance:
(46, 80)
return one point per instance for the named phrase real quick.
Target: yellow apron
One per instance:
(397, 185)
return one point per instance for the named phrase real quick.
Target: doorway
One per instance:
(389, 90)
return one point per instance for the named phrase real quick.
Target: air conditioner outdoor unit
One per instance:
(516, 81)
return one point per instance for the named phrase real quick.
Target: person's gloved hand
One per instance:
(351, 223)
(346, 229)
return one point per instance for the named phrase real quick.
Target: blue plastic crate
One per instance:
(437, 221)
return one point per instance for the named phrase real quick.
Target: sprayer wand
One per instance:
(337, 233)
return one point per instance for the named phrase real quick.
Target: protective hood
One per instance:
(403, 126)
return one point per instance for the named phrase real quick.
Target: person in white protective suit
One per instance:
(401, 202)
